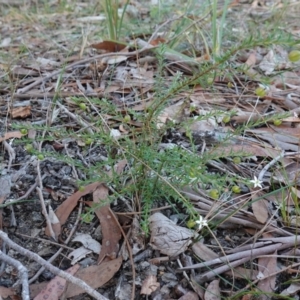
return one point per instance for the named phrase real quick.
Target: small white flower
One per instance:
(201, 223)
(260, 275)
(256, 182)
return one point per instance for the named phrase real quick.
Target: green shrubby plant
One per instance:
(157, 176)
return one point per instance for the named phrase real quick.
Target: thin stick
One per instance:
(23, 273)
(211, 274)
(269, 165)
(249, 254)
(77, 119)
(51, 268)
(11, 153)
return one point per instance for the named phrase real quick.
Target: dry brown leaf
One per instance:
(88, 242)
(142, 106)
(55, 224)
(94, 276)
(20, 112)
(6, 292)
(69, 204)
(242, 117)
(251, 61)
(172, 113)
(36, 288)
(18, 70)
(115, 59)
(79, 254)
(56, 286)
(267, 266)
(260, 210)
(32, 135)
(250, 231)
(119, 167)
(269, 62)
(203, 252)
(251, 150)
(279, 140)
(197, 287)
(110, 229)
(12, 134)
(240, 272)
(287, 78)
(295, 193)
(158, 41)
(287, 130)
(213, 291)
(199, 97)
(189, 296)
(109, 46)
(149, 285)
(290, 174)
(64, 210)
(292, 120)
(15, 297)
(136, 236)
(167, 237)
(291, 290)
(208, 125)
(111, 88)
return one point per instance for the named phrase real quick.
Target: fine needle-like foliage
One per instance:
(197, 119)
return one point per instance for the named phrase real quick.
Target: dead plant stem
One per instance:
(249, 254)
(39, 190)
(23, 273)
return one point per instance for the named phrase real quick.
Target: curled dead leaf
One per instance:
(260, 210)
(109, 46)
(149, 285)
(110, 229)
(64, 210)
(167, 237)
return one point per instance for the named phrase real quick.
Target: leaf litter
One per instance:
(254, 227)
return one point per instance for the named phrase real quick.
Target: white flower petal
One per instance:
(201, 222)
(256, 182)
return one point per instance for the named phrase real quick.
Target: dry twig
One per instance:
(51, 268)
(249, 254)
(23, 273)
(11, 153)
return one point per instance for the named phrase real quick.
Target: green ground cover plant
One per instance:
(165, 155)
